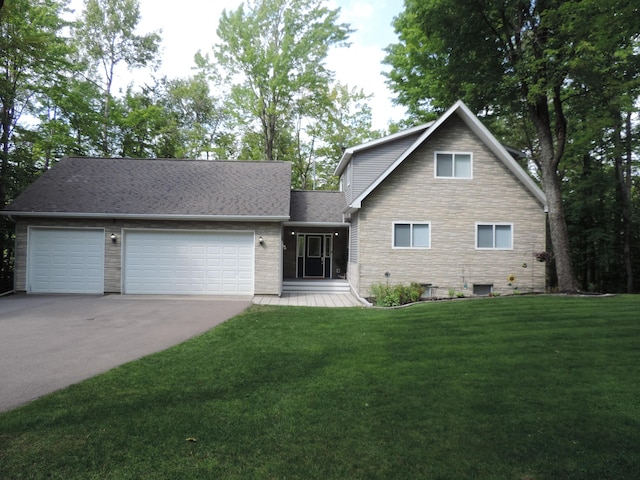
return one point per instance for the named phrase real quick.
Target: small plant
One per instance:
(452, 292)
(459, 295)
(494, 294)
(385, 295)
(543, 256)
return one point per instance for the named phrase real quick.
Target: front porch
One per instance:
(315, 257)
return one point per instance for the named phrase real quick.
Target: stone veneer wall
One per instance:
(453, 206)
(268, 261)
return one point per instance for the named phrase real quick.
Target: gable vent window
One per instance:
(411, 235)
(494, 236)
(453, 165)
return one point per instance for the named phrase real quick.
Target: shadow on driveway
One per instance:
(48, 342)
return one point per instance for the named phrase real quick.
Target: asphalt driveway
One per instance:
(49, 342)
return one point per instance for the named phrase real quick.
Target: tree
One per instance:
(201, 118)
(34, 58)
(273, 53)
(106, 37)
(512, 59)
(346, 123)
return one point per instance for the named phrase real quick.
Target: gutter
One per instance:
(142, 216)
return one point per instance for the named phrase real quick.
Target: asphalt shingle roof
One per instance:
(317, 206)
(160, 187)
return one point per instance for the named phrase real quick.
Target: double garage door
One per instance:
(193, 263)
(153, 262)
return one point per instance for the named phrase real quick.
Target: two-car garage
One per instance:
(185, 262)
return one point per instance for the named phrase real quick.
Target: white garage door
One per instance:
(188, 263)
(65, 260)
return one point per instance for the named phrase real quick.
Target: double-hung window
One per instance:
(494, 236)
(411, 235)
(453, 165)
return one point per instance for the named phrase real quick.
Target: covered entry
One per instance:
(315, 253)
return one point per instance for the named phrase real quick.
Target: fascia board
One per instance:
(135, 216)
(317, 224)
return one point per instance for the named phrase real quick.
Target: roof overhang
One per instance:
(140, 216)
(317, 224)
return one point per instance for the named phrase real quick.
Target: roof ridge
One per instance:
(201, 160)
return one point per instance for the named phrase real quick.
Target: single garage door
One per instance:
(188, 263)
(64, 260)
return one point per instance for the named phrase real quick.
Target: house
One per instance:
(442, 204)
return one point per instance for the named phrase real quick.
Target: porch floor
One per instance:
(309, 300)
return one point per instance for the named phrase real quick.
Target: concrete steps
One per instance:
(315, 286)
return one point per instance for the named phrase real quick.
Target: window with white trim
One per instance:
(494, 236)
(453, 165)
(411, 235)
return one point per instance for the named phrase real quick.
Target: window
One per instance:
(494, 236)
(482, 289)
(412, 235)
(453, 165)
(349, 174)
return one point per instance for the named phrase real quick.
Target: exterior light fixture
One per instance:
(292, 233)
(260, 240)
(114, 239)
(336, 234)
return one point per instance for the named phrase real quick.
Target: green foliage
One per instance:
(352, 393)
(273, 52)
(386, 295)
(107, 37)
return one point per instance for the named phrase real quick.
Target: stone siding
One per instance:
(268, 256)
(453, 207)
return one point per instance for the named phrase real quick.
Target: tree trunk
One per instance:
(623, 180)
(548, 161)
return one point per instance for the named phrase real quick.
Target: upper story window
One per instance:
(349, 174)
(411, 235)
(453, 165)
(494, 236)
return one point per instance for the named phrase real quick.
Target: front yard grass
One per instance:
(506, 388)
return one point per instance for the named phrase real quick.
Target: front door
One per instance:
(314, 255)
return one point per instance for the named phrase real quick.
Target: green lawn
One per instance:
(505, 388)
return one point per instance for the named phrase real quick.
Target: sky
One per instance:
(190, 25)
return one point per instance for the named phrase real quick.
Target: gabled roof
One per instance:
(319, 207)
(349, 152)
(460, 109)
(163, 189)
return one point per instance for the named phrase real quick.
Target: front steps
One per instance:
(315, 286)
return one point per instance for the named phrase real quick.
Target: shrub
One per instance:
(395, 295)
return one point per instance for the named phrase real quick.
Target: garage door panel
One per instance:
(196, 263)
(65, 260)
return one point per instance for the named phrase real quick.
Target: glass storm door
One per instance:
(314, 256)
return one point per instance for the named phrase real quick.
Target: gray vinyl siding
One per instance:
(369, 164)
(353, 271)
(353, 247)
